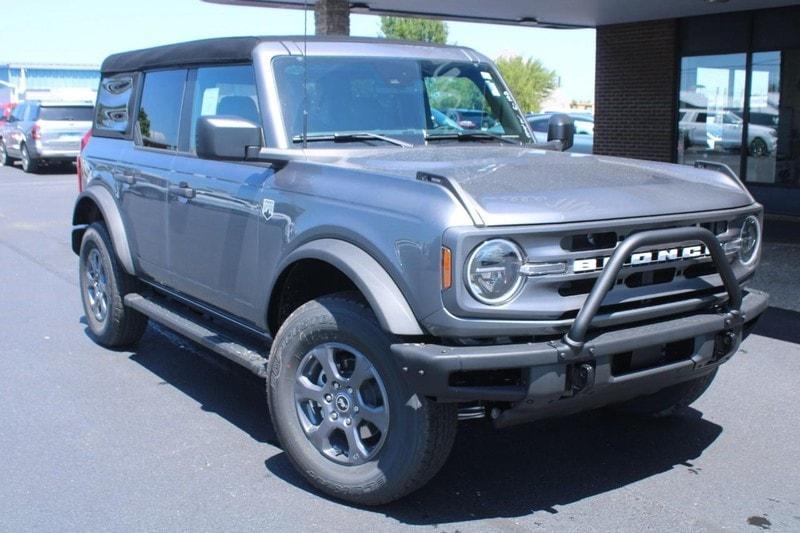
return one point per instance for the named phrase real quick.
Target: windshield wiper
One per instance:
(468, 136)
(351, 137)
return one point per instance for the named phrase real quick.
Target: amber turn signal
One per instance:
(447, 268)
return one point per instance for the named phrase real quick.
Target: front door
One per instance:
(215, 207)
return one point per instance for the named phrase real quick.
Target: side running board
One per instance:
(184, 322)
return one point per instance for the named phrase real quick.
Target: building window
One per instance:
(716, 97)
(711, 103)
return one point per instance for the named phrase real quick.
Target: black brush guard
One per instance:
(547, 368)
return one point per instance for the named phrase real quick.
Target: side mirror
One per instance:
(225, 137)
(561, 129)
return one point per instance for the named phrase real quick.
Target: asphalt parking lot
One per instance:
(170, 437)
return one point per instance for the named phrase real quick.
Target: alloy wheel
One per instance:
(341, 403)
(96, 285)
(25, 158)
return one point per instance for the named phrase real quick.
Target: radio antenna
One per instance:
(305, 74)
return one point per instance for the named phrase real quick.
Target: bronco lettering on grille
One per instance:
(593, 264)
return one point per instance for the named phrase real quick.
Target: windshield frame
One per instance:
(287, 138)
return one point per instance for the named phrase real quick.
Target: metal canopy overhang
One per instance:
(537, 13)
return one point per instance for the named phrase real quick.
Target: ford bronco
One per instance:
(309, 210)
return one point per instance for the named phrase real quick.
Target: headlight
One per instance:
(750, 239)
(493, 275)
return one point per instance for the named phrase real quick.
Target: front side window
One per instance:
(19, 111)
(160, 110)
(410, 99)
(226, 91)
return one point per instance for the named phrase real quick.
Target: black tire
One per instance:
(29, 164)
(758, 147)
(118, 326)
(421, 432)
(669, 401)
(5, 160)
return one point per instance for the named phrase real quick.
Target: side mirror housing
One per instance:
(561, 129)
(225, 137)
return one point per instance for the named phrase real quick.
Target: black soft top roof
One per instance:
(207, 51)
(217, 51)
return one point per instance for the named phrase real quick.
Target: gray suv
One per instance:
(38, 133)
(297, 208)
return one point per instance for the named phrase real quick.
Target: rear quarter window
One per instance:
(114, 104)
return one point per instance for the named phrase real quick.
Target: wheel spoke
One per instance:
(361, 372)
(377, 416)
(324, 354)
(356, 450)
(320, 435)
(305, 390)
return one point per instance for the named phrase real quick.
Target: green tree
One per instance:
(414, 29)
(528, 79)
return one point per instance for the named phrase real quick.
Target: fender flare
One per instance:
(105, 202)
(382, 293)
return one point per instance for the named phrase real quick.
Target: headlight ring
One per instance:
(750, 240)
(493, 271)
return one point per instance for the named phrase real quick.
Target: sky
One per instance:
(86, 31)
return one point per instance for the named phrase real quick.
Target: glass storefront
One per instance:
(743, 110)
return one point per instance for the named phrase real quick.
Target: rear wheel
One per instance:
(104, 284)
(29, 163)
(669, 401)
(4, 159)
(342, 409)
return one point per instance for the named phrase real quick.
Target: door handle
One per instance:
(183, 190)
(125, 176)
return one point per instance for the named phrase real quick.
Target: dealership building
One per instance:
(677, 81)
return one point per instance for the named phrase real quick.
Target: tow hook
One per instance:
(582, 378)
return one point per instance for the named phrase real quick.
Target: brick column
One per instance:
(636, 85)
(332, 17)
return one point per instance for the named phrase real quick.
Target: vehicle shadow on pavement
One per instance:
(219, 386)
(506, 473)
(539, 466)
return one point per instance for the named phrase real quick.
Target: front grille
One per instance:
(670, 277)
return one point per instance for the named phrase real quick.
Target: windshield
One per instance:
(75, 113)
(408, 99)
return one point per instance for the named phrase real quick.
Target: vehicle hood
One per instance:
(515, 185)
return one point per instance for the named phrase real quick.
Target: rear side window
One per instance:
(160, 110)
(114, 103)
(68, 113)
(228, 91)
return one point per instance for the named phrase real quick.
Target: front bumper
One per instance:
(589, 366)
(552, 380)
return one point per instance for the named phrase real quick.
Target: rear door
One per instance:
(144, 167)
(215, 206)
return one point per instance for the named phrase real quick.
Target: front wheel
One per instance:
(343, 411)
(29, 164)
(669, 401)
